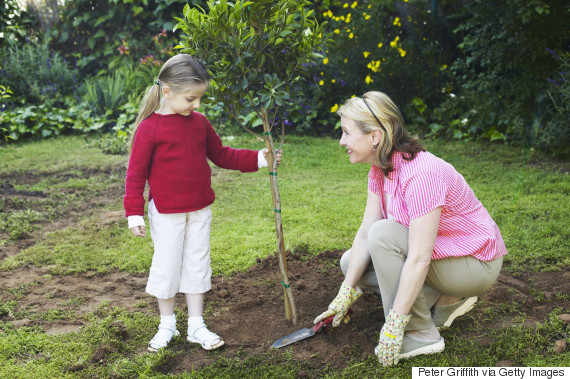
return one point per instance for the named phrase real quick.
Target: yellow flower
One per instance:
(380, 44)
(402, 51)
(353, 96)
(367, 17)
(336, 31)
(368, 79)
(342, 18)
(409, 18)
(333, 81)
(345, 5)
(351, 35)
(354, 5)
(334, 108)
(396, 20)
(394, 43)
(326, 60)
(345, 60)
(322, 82)
(366, 54)
(374, 66)
(337, 18)
(348, 16)
(369, 6)
(330, 14)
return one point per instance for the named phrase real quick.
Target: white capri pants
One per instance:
(181, 259)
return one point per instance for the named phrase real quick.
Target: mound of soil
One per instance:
(247, 309)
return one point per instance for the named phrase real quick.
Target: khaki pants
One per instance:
(455, 276)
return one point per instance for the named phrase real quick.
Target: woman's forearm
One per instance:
(421, 240)
(411, 282)
(359, 260)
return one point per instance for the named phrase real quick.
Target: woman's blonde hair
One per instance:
(179, 73)
(376, 111)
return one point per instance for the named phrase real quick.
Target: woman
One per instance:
(426, 244)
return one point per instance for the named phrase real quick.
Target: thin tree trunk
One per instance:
(290, 309)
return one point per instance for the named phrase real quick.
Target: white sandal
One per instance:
(162, 338)
(207, 339)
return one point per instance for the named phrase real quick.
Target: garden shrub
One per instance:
(37, 74)
(498, 83)
(108, 33)
(401, 48)
(552, 132)
(106, 93)
(16, 24)
(380, 46)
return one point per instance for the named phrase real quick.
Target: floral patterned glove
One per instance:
(391, 337)
(340, 305)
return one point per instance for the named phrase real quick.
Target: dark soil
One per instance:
(245, 309)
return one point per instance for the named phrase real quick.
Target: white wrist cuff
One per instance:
(261, 161)
(135, 221)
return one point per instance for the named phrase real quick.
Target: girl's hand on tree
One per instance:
(138, 231)
(278, 155)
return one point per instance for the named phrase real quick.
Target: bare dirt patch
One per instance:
(59, 208)
(246, 309)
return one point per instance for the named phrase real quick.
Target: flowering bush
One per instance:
(380, 45)
(37, 74)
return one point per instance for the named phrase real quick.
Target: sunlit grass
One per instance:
(323, 197)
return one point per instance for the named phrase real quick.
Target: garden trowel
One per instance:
(304, 333)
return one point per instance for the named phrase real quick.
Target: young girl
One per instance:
(170, 145)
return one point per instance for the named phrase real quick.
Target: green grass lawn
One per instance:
(323, 198)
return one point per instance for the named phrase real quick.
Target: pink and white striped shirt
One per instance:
(419, 186)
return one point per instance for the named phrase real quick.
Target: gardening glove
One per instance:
(340, 305)
(391, 337)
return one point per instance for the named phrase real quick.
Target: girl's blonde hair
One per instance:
(376, 111)
(179, 73)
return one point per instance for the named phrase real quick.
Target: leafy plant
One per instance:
(16, 24)
(500, 73)
(107, 34)
(105, 94)
(257, 52)
(46, 121)
(401, 48)
(551, 130)
(5, 93)
(37, 74)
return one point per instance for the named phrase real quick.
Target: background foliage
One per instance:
(478, 69)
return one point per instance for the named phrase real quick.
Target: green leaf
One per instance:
(91, 43)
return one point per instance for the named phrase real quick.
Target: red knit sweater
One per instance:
(170, 152)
